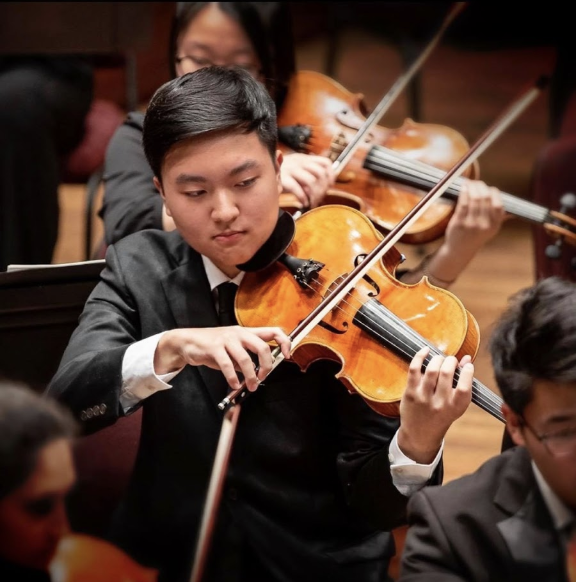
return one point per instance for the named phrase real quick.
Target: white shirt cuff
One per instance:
(407, 475)
(139, 380)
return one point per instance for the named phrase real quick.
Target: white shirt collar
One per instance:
(216, 276)
(561, 515)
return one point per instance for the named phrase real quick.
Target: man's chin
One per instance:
(232, 260)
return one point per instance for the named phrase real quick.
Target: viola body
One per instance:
(372, 366)
(331, 116)
(83, 558)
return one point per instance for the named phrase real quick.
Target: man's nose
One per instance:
(225, 206)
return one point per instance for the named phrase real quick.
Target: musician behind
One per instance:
(512, 520)
(258, 37)
(37, 473)
(316, 478)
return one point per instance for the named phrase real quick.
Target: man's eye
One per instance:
(194, 193)
(566, 434)
(247, 183)
(201, 62)
(41, 507)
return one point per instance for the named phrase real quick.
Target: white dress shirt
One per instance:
(139, 380)
(562, 516)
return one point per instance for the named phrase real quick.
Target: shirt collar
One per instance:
(561, 515)
(216, 276)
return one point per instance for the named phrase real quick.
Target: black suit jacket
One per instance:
(490, 526)
(309, 495)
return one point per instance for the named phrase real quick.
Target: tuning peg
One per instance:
(567, 202)
(554, 251)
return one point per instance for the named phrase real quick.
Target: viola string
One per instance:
(483, 395)
(401, 328)
(432, 175)
(489, 401)
(414, 170)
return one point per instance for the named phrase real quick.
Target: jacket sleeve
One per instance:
(427, 554)
(89, 378)
(131, 201)
(364, 466)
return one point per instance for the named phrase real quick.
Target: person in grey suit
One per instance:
(511, 519)
(316, 478)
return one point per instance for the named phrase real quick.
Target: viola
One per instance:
(394, 168)
(381, 323)
(83, 558)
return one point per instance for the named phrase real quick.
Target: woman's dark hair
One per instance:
(535, 339)
(28, 422)
(209, 100)
(268, 25)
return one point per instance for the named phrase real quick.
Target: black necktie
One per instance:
(226, 295)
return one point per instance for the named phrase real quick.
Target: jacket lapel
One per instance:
(528, 532)
(189, 297)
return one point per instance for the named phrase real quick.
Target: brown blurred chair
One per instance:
(104, 462)
(554, 186)
(85, 163)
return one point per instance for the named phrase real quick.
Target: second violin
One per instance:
(393, 168)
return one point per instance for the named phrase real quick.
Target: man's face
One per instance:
(552, 412)
(33, 517)
(222, 193)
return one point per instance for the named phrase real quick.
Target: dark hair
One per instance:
(268, 25)
(535, 339)
(28, 422)
(209, 100)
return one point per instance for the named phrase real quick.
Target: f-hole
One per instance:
(369, 280)
(327, 326)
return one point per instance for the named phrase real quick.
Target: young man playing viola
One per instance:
(316, 478)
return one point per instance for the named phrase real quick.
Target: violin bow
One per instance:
(230, 404)
(343, 288)
(385, 103)
(214, 494)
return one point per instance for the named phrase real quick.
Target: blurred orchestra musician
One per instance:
(36, 474)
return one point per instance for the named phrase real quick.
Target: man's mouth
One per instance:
(228, 236)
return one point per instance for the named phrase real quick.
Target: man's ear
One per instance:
(158, 186)
(513, 425)
(279, 160)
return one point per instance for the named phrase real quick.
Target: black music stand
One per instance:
(39, 310)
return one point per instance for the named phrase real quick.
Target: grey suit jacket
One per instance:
(309, 495)
(490, 526)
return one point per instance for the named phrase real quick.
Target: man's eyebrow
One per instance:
(247, 165)
(560, 418)
(186, 178)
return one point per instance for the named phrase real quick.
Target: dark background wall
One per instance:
(480, 26)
